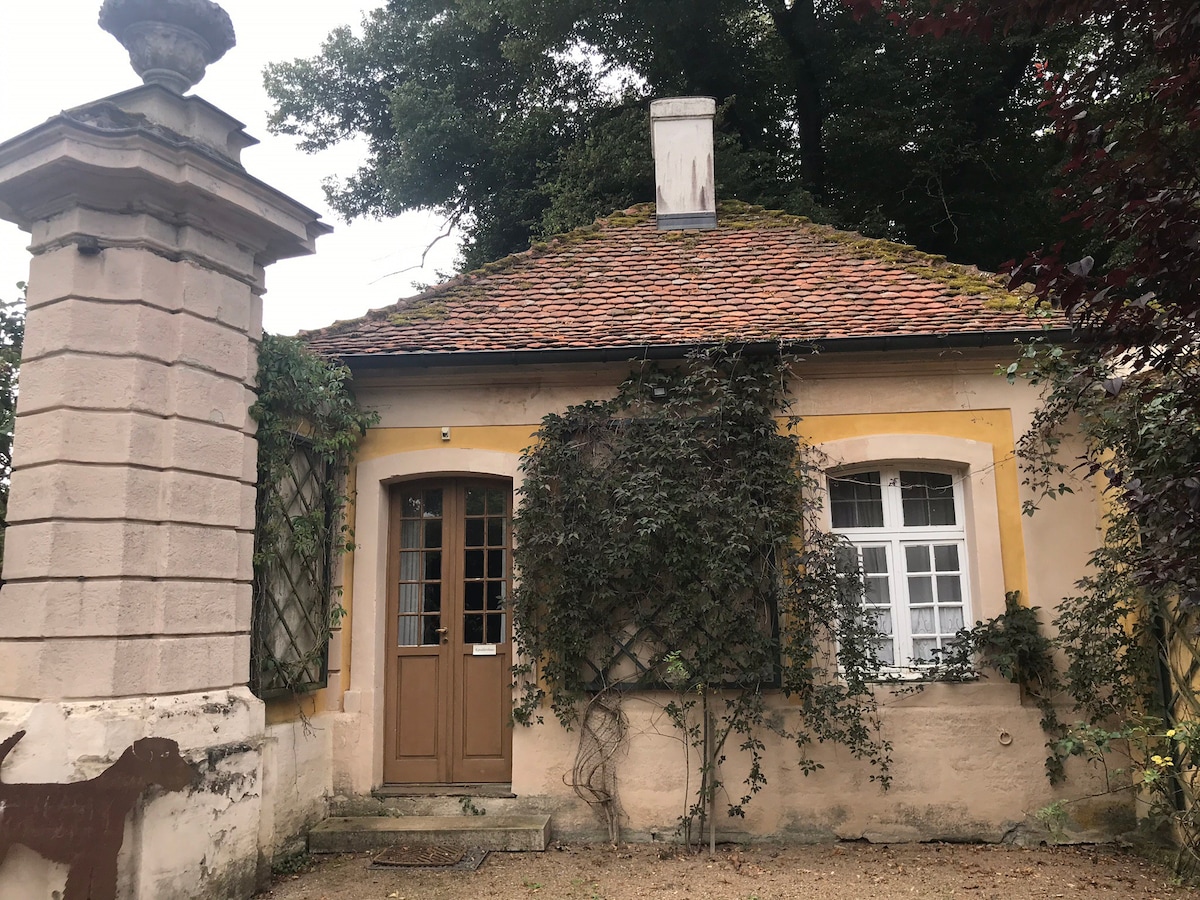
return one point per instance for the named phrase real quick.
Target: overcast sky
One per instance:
(54, 56)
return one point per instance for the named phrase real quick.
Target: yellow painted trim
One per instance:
(503, 438)
(347, 598)
(991, 426)
(291, 709)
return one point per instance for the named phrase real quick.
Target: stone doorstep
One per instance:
(352, 834)
(497, 791)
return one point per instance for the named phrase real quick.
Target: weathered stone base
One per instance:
(200, 842)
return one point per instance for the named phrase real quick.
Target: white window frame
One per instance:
(895, 537)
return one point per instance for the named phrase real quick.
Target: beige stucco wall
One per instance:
(967, 759)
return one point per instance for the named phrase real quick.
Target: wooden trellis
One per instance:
(292, 579)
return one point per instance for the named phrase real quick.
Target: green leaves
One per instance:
(308, 427)
(12, 338)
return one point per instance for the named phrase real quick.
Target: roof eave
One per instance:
(884, 343)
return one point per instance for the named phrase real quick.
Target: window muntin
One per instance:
(907, 526)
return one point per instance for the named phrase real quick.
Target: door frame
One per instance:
(359, 727)
(456, 668)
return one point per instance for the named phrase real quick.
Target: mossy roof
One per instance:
(621, 284)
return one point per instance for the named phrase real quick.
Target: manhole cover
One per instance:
(420, 856)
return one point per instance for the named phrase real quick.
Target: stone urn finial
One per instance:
(170, 42)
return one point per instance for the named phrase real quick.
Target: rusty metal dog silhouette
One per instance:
(82, 824)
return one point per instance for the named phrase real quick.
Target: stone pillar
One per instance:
(126, 605)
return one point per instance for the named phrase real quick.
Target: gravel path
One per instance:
(823, 872)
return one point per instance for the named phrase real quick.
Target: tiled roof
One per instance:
(621, 284)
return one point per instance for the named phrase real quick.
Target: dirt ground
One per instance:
(824, 872)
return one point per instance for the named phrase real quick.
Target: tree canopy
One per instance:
(1127, 110)
(517, 118)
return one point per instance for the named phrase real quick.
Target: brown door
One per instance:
(449, 695)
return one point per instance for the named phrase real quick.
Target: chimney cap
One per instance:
(683, 108)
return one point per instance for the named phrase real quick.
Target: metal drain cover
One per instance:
(420, 856)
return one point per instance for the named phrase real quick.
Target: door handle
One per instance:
(443, 631)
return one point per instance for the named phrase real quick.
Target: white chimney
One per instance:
(681, 136)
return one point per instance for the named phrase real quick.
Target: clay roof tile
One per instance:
(622, 283)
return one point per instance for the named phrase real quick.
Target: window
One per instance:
(908, 526)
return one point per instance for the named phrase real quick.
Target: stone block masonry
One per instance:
(126, 610)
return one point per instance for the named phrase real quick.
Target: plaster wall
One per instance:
(297, 782)
(968, 759)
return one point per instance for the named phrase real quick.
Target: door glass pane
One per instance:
(410, 504)
(495, 564)
(473, 595)
(494, 629)
(433, 503)
(433, 533)
(410, 534)
(495, 595)
(475, 501)
(410, 565)
(473, 564)
(495, 532)
(429, 634)
(856, 501)
(410, 597)
(474, 532)
(433, 598)
(408, 631)
(927, 498)
(497, 501)
(473, 629)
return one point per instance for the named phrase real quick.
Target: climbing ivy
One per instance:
(669, 538)
(1128, 632)
(308, 428)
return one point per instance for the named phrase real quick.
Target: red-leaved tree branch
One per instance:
(1128, 108)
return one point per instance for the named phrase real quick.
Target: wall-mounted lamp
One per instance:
(658, 392)
(445, 432)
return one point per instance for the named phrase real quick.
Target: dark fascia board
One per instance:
(364, 362)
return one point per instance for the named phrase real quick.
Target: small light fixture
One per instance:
(445, 432)
(659, 392)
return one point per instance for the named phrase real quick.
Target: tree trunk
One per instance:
(798, 28)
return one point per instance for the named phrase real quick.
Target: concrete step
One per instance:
(348, 834)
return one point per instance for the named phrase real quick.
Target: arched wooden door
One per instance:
(449, 660)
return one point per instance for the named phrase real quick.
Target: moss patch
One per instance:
(420, 310)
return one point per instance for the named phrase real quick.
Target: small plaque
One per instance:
(483, 650)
